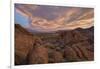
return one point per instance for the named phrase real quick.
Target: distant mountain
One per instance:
(59, 46)
(79, 34)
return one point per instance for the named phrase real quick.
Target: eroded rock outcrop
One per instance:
(23, 43)
(38, 55)
(55, 56)
(61, 46)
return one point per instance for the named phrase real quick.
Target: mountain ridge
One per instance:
(61, 46)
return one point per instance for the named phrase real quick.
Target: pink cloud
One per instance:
(68, 18)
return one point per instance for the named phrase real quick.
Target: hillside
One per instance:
(60, 46)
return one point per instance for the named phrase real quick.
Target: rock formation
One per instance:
(60, 46)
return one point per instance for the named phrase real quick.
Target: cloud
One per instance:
(57, 18)
(25, 9)
(82, 20)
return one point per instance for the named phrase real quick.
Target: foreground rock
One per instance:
(38, 55)
(55, 56)
(79, 52)
(23, 43)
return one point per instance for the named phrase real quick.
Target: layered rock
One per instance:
(23, 43)
(55, 56)
(56, 47)
(38, 55)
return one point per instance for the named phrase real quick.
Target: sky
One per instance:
(21, 19)
(52, 18)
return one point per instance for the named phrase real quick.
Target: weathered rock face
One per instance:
(77, 35)
(70, 54)
(23, 43)
(61, 46)
(55, 56)
(38, 55)
(71, 36)
(78, 52)
(79, 44)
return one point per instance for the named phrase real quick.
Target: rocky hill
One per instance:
(60, 46)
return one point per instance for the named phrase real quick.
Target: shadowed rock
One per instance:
(23, 43)
(55, 56)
